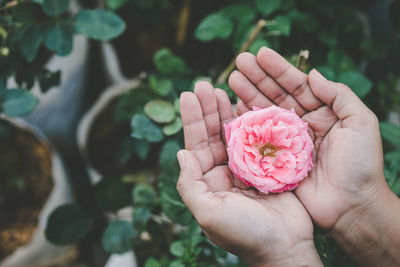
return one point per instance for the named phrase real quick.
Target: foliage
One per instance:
(30, 33)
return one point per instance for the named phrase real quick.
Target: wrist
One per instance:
(302, 254)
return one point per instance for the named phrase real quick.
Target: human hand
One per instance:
(265, 230)
(346, 187)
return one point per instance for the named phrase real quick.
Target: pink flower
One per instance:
(269, 149)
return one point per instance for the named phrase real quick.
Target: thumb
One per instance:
(191, 186)
(344, 103)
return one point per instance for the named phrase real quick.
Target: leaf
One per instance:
(167, 63)
(214, 26)
(168, 154)
(143, 196)
(111, 195)
(160, 111)
(281, 24)
(115, 4)
(177, 105)
(327, 72)
(68, 224)
(339, 62)
(177, 263)
(117, 238)
(140, 217)
(143, 128)
(18, 102)
(48, 79)
(177, 249)
(27, 13)
(99, 24)
(267, 7)
(243, 13)
(161, 86)
(390, 132)
(59, 40)
(142, 148)
(173, 128)
(151, 262)
(30, 42)
(55, 7)
(255, 47)
(357, 82)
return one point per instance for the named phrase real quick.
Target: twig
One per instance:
(254, 33)
(302, 60)
(183, 23)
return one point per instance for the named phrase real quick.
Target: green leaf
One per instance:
(177, 105)
(143, 196)
(18, 102)
(357, 82)
(177, 249)
(327, 72)
(243, 13)
(161, 86)
(115, 4)
(160, 111)
(168, 153)
(173, 128)
(267, 7)
(99, 24)
(143, 128)
(30, 42)
(59, 40)
(142, 148)
(390, 132)
(177, 263)
(255, 47)
(55, 7)
(27, 13)
(393, 156)
(281, 24)
(117, 238)
(151, 262)
(111, 195)
(140, 217)
(67, 224)
(339, 62)
(214, 26)
(167, 63)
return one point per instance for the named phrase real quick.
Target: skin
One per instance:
(346, 191)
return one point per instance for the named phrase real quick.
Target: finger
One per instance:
(225, 110)
(344, 103)
(246, 91)
(195, 132)
(208, 102)
(290, 78)
(247, 64)
(241, 108)
(191, 186)
(219, 179)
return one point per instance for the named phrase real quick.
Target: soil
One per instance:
(25, 184)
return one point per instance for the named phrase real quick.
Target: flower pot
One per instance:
(41, 176)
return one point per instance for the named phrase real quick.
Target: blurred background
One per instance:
(90, 122)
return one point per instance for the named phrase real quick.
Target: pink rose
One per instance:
(269, 149)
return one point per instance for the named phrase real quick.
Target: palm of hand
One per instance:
(240, 220)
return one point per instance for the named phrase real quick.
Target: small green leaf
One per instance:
(142, 148)
(143, 128)
(161, 86)
(167, 63)
(143, 196)
(151, 262)
(111, 195)
(255, 47)
(339, 62)
(67, 224)
(18, 102)
(281, 24)
(30, 42)
(59, 40)
(99, 24)
(160, 111)
(243, 13)
(118, 236)
(173, 128)
(55, 7)
(327, 72)
(177, 105)
(177, 263)
(140, 217)
(390, 132)
(177, 249)
(357, 82)
(214, 26)
(267, 7)
(115, 4)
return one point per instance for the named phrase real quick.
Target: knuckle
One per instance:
(300, 89)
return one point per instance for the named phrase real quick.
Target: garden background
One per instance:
(90, 123)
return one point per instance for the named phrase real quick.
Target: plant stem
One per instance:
(183, 23)
(254, 33)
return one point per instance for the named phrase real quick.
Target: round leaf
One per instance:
(55, 7)
(18, 102)
(143, 128)
(143, 196)
(117, 238)
(243, 13)
(173, 128)
(357, 82)
(214, 26)
(59, 40)
(151, 262)
(111, 195)
(67, 224)
(160, 111)
(177, 249)
(282, 25)
(177, 263)
(115, 4)
(390, 132)
(167, 63)
(100, 25)
(266, 7)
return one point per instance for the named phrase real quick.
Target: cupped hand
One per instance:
(262, 229)
(348, 162)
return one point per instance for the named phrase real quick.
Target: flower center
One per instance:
(268, 150)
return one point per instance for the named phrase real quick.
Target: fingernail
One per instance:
(181, 159)
(318, 74)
